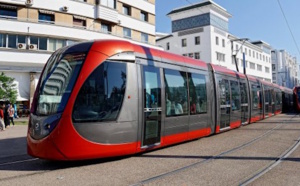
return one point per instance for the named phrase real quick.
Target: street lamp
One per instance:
(237, 51)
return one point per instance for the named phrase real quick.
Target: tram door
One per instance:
(244, 102)
(152, 106)
(225, 105)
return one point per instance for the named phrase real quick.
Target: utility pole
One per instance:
(234, 55)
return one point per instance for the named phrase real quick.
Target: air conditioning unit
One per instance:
(21, 45)
(28, 2)
(65, 8)
(32, 47)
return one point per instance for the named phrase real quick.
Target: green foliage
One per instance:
(8, 89)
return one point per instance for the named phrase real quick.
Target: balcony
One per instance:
(106, 13)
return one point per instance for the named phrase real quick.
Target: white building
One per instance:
(284, 69)
(200, 31)
(30, 30)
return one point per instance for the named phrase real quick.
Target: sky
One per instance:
(253, 19)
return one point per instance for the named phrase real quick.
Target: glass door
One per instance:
(225, 105)
(152, 106)
(244, 102)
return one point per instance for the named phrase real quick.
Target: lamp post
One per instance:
(237, 51)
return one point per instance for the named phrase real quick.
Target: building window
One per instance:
(217, 40)
(223, 42)
(55, 44)
(242, 63)
(126, 10)
(168, 46)
(3, 40)
(105, 28)
(191, 55)
(263, 58)
(197, 40)
(197, 55)
(253, 54)
(273, 67)
(267, 69)
(260, 56)
(109, 3)
(184, 55)
(79, 22)
(220, 57)
(256, 55)
(40, 42)
(236, 47)
(144, 16)
(249, 52)
(144, 37)
(252, 65)
(183, 43)
(10, 12)
(127, 32)
(245, 51)
(46, 18)
(12, 41)
(259, 67)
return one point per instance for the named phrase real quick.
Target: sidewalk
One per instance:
(21, 119)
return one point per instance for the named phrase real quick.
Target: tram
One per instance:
(109, 98)
(296, 92)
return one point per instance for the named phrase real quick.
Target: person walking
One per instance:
(11, 112)
(2, 125)
(6, 115)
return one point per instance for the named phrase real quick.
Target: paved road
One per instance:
(235, 157)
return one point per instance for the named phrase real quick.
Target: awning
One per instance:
(8, 6)
(46, 12)
(79, 17)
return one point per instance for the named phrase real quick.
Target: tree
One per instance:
(8, 91)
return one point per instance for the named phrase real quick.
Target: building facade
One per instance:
(201, 31)
(32, 29)
(285, 69)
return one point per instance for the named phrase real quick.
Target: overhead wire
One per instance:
(288, 25)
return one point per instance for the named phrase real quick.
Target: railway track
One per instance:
(11, 160)
(249, 179)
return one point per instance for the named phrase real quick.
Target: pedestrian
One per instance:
(6, 115)
(2, 125)
(11, 112)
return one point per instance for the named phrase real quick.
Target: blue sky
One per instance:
(253, 19)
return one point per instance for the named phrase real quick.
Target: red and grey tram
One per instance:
(111, 98)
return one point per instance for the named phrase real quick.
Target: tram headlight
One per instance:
(41, 126)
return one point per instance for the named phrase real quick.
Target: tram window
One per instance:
(244, 96)
(101, 96)
(235, 95)
(198, 97)
(224, 92)
(256, 98)
(176, 93)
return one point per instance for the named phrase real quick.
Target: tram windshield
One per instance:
(58, 79)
